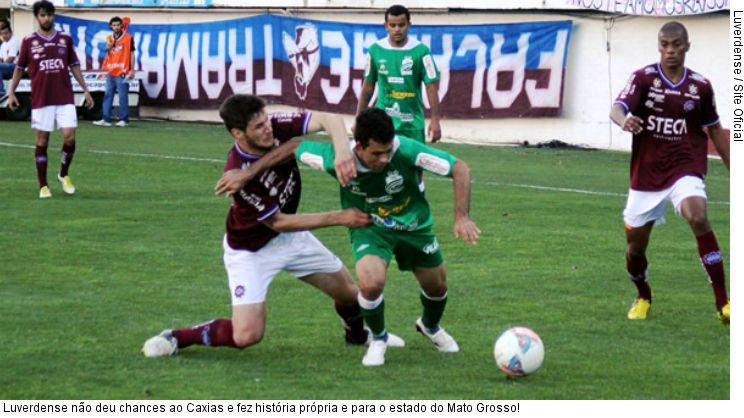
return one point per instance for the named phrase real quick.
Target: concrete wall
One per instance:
(603, 51)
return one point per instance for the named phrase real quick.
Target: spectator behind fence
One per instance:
(9, 50)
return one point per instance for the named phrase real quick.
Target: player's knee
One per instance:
(247, 338)
(635, 253)
(699, 222)
(371, 290)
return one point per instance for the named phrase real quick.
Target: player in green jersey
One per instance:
(398, 65)
(385, 185)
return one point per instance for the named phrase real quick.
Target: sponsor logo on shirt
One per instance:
(314, 161)
(53, 64)
(394, 112)
(385, 198)
(396, 80)
(385, 212)
(393, 182)
(362, 247)
(431, 248)
(429, 67)
(391, 224)
(402, 95)
(406, 67)
(650, 70)
(239, 291)
(673, 92)
(253, 200)
(698, 77)
(382, 70)
(658, 97)
(667, 126)
(433, 163)
(288, 189)
(689, 105)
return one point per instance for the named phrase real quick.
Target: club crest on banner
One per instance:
(304, 54)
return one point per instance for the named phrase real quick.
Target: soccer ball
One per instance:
(519, 351)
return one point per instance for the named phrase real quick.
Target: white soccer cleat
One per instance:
(102, 123)
(122, 124)
(444, 342)
(163, 344)
(375, 353)
(393, 341)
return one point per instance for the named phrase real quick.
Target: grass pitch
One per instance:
(86, 279)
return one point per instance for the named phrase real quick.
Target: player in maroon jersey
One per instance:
(666, 106)
(49, 56)
(265, 235)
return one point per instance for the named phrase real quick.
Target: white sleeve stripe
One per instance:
(269, 213)
(712, 123)
(306, 123)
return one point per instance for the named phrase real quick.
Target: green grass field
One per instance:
(86, 279)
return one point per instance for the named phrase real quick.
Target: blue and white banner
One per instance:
(502, 70)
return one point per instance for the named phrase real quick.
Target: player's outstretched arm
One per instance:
(232, 181)
(334, 125)
(432, 92)
(350, 218)
(720, 141)
(463, 225)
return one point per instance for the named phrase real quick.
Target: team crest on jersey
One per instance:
(393, 182)
(35, 43)
(304, 54)
(694, 89)
(689, 105)
(406, 67)
(657, 82)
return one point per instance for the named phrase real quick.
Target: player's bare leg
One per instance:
(433, 282)
(695, 211)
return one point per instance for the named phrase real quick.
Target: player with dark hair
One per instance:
(119, 64)
(49, 55)
(265, 235)
(387, 188)
(666, 106)
(398, 65)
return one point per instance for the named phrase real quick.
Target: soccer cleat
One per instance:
(444, 342)
(375, 353)
(44, 193)
(640, 308)
(102, 123)
(66, 183)
(163, 344)
(724, 315)
(392, 341)
(122, 124)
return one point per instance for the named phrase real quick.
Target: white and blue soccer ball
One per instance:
(519, 351)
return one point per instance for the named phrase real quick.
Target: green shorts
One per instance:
(411, 249)
(416, 135)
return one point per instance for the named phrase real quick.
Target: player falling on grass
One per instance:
(265, 235)
(398, 65)
(666, 106)
(49, 55)
(387, 188)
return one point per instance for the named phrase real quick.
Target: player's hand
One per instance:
(232, 181)
(345, 167)
(13, 101)
(89, 103)
(435, 132)
(354, 218)
(633, 124)
(467, 229)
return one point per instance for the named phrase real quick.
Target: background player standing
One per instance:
(398, 65)
(666, 106)
(48, 54)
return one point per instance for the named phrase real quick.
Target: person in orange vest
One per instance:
(119, 64)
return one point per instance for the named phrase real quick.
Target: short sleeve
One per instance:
(370, 72)
(709, 116)
(317, 156)
(429, 159)
(631, 95)
(429, 70)
(22, 60)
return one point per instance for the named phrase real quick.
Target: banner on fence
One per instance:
(662, 8)
(487, 71)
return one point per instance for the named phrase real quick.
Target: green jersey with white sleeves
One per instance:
(392, 197)
(399, 73)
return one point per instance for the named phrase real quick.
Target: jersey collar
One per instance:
(669, 82)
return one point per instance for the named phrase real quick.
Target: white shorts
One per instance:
(299, 253)
(644, 207)
(43, 119)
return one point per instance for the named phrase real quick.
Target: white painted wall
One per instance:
(594, 75)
